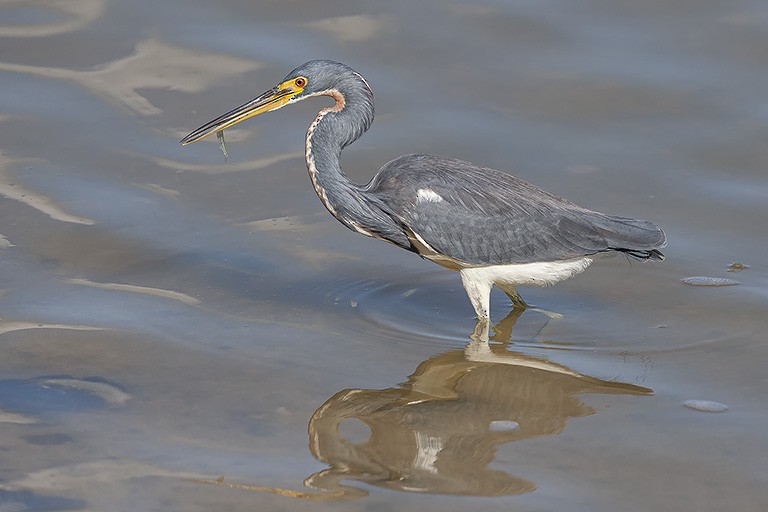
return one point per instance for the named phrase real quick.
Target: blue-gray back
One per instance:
(481, 216)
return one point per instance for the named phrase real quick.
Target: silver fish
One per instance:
(222, 144)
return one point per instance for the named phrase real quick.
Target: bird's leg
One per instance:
(479, 292)
(477, 350)
(481, 331)
(502, 331)
(518, 302)
(511, 292)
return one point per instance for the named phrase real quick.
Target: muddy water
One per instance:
(187, 333)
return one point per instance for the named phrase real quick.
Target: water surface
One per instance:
(188, 333)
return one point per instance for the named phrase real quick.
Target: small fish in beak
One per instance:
(222, 144)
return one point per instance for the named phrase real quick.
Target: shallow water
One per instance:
(168, 318)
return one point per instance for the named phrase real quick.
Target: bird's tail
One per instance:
(640, 239)
(653, 254)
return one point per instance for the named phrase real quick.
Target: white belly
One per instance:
(527, 274)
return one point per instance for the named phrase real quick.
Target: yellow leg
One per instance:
(515, 297)
(518, 301)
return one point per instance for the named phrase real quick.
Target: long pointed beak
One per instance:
(270, 100)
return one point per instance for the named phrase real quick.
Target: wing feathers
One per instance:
(489, 217)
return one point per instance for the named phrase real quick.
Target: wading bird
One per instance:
(491, 227)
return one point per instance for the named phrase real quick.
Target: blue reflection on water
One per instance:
(36, 397)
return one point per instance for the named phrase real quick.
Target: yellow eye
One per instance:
(300, 82)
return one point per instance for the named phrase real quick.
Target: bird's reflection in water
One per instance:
(439, 431)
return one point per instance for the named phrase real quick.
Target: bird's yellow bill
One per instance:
(270, 100)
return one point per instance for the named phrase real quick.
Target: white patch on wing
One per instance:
(427, 195)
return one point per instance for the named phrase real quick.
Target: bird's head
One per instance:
(313, 78)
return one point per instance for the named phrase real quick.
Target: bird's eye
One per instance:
(300, 82)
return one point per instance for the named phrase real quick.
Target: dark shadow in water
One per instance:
(439, 431)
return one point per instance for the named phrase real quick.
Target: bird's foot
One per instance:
(519, 303)
(553, 315)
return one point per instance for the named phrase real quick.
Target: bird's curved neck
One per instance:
(332, 130)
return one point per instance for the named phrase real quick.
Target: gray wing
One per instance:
(481, 216)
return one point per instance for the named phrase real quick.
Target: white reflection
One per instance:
(159, 189)
(144, 290)
(80, 479)
(106, 392)
(295, 223)
(153, 65)
(10, 326)
(18, 419)
(249, 165)
(76, 14)
(358, 27)
(10, 188)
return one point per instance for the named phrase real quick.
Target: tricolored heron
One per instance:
(491, 227)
